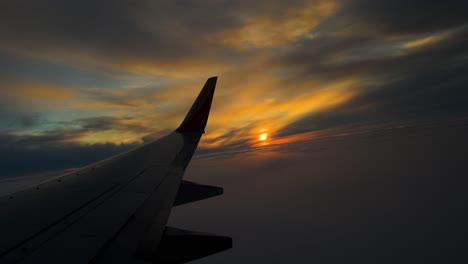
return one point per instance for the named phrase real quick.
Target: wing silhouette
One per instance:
(116, 210)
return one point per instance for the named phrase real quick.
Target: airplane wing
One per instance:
(116, 210)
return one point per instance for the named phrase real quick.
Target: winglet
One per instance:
(197, 117)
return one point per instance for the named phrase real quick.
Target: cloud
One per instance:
(403, 87)
(38, 91)
(48, 153)
(399, 18)
(105, 98)
(144, 36)
(423, 42)
(152, 37)
(279, 29)
(13, 121)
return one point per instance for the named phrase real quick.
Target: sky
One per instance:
(81, 80)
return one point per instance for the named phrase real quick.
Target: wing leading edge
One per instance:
(116, 210)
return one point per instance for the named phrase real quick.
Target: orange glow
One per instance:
(423, 41)
(110, 136)
(40, 91)
(263, 136)
(286, 140)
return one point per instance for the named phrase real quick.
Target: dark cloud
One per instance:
(21, 69)
(23, 155)
(402, 17)
(124, 29)
(117, 98)
(108, 29)
(331, 57)
(108, 123)
(19, 120)
(57, 149)
(72, 130)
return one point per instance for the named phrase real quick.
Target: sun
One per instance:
(263, 136)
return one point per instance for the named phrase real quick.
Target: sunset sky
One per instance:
(80, 80)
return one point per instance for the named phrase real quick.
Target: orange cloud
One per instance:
(266, 31)
(40, 92)
(115, 136)
(188, 68)
(423, 41)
